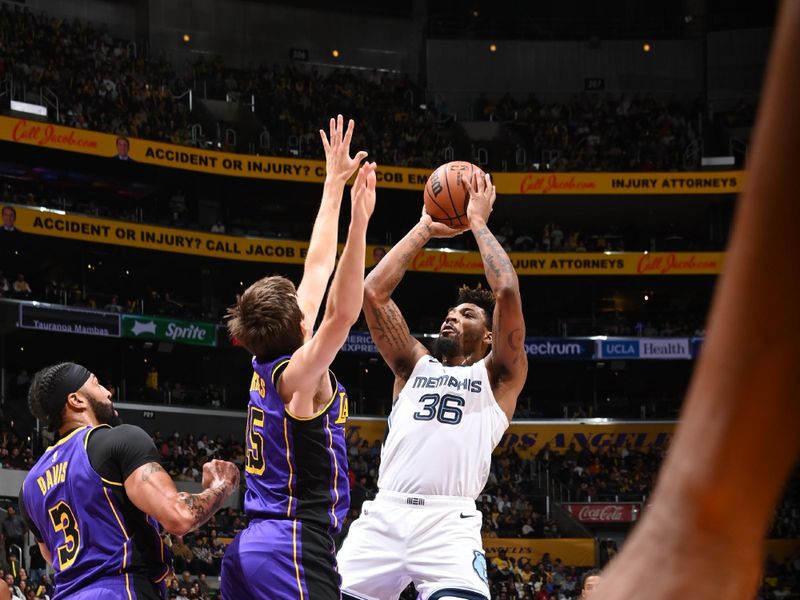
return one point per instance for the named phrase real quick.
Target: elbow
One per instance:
(507, 290)
(373, 294)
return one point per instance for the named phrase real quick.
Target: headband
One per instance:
(68, 381)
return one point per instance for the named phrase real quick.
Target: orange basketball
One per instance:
(446, 192)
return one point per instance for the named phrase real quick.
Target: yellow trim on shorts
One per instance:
(124, 544)
(335, 471)
(296, 565)
(289, 462)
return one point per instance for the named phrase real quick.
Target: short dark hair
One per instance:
(589, 573)
(480, 297)
(40, 393)
(11, 208)
(266, 318)
(124, 139)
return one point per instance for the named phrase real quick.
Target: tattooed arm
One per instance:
(507, 363)
(152, 491)
(386, 323)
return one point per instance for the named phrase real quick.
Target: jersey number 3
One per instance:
(254, 463)
(446, 409)
(64, 521)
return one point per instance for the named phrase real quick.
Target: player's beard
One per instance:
(104, 412)
(446, 346)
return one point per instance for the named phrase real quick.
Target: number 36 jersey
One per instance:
(442, 431)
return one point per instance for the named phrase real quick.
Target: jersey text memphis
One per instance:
(83, 522)
(442, 431)
(295, 468)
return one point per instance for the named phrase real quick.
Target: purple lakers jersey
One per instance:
(87, 522)
(295, 468)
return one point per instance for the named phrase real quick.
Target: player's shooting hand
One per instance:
(221, 473)
(362, 194)
(482, 195)
(440, 230)
(338, 164)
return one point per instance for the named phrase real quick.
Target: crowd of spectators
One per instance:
(104, 84)
(394, 124)
(603, 474)
(101, 82)
(598, 132)
(511, 503)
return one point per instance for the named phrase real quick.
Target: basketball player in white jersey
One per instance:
(450, 412)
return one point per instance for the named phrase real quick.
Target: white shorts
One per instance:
(432, 541)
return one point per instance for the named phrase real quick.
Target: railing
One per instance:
(693, 154)
(480, 156)
(7, 86)
(265, 140)
(230, 137)
(561, 493)
(186, 94)
(48, 97)
(737, 148)
(197, 132)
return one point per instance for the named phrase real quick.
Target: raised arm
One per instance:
(152, 491)
(506, 363)
(301, 378)
(386, 323)
(321, 257)
(739, 433)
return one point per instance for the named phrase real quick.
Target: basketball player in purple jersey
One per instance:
(95, 498)
(296, 465)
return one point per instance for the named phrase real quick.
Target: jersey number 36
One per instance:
(445, 409)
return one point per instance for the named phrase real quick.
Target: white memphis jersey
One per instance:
(442, 431)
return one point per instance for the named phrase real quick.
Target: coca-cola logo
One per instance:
(606, 513)
(603, 513)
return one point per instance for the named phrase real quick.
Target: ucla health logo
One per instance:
(624, 348)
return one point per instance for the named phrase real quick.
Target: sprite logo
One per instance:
(172, 330)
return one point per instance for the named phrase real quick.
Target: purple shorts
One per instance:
(117, 588)
(280, 559)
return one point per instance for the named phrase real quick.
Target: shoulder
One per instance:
(271, 369)
(121, 436)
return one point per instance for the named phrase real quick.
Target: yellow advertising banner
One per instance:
(573, 552)
(526, 438)
(154, 237)
(199, 243)
(57, 137)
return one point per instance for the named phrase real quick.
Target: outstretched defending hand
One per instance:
(338, 164)
(440, 230)
(362, 194)
(482, 195)
(221, 474)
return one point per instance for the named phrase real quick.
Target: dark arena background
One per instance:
(157, 157)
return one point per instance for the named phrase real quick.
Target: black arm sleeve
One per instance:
(28, 521)
(117, 452)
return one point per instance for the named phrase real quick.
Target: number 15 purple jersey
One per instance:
(296, 468)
